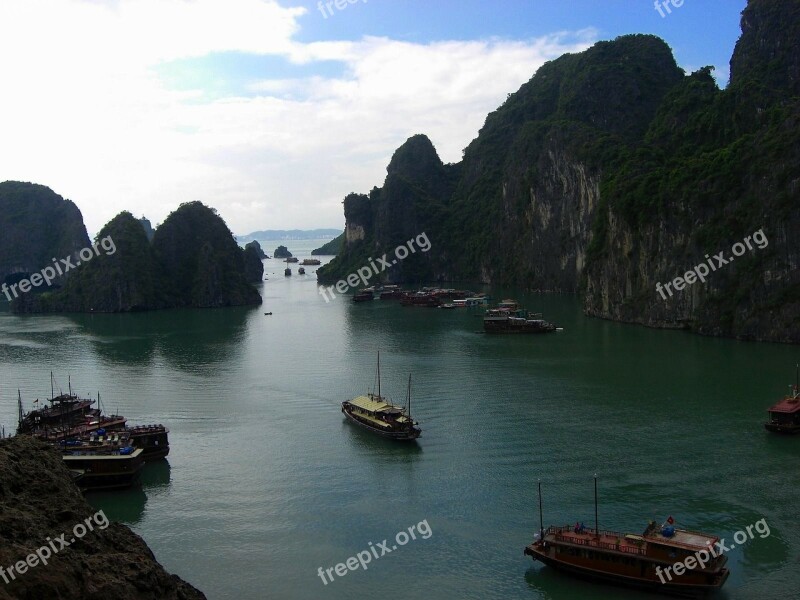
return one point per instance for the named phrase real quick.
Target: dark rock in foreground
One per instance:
(39, 502)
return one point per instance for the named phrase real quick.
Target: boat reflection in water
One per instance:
(127, 505)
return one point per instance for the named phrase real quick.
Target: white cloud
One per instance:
(83, 111)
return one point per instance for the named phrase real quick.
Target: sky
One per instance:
(271, 111)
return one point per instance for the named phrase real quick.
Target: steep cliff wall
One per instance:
(36, 225)
(612, 171)
(719, 166)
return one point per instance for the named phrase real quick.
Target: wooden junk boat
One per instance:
(375, 413)
(72, 422)
(784, 417)
(638, 561)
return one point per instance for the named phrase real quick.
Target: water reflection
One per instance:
(188, 339)
(127, 506)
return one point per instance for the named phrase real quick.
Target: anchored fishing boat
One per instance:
(784, 417)
(646, 561)
(375, 413)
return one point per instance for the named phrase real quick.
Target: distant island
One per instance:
(289, 234)
(282, 252)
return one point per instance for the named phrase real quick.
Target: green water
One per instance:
(266, 482)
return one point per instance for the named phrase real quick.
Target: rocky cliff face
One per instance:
(38, 503)
(609, 172)
(727, 166)
(518, 209)
(36, 225)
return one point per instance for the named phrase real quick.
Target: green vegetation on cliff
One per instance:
(192, 261)
(36, 224)
(612, 170)
(202, 263)
(332, 248)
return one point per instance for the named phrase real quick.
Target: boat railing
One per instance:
(594, 541)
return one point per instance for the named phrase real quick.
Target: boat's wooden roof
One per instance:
(790, 404)
(375, 404)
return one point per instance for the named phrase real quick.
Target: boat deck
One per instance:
(608, 540)
(687, 539)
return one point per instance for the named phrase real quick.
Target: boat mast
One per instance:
(596, 527)
(19, 405)
(409, 396)
(379, 374)
(541, 520)
(52, 389)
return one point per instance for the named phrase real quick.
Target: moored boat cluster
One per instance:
(101, 451)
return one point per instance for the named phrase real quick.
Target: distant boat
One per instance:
(301, 271)
(365, 295)
(508, 317)
(310, 261)
(292, 259)
(391, 292)
(784, 417)
(631, 560)
(288, 272)
(377, 414)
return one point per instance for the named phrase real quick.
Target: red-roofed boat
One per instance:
(647, 561)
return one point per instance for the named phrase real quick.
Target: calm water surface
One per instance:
(266, 482)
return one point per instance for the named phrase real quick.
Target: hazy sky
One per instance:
(271, 111)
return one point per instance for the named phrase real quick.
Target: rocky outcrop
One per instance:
(253, 267)
(256, 247)
(39, 503)
(148, 228)
(37, 226)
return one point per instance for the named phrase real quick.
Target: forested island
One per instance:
(192, 260)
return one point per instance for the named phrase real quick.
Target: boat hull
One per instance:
(668, 588)
(784, 428)
(408, 435)
(103, 472)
